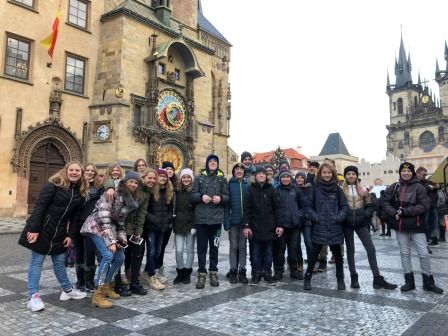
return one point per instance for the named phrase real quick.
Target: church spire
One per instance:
(403, 68)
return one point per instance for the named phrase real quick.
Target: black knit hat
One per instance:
(351, 169)
(260, 169)
(166, 164)
(407, 165)
(245, 155)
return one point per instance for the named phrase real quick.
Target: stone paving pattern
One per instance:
(280, 309)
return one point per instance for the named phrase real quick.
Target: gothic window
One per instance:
(415, 102)
(400, 145)
(427, 141)
(400, 105)
(137, 115)
(17, 57)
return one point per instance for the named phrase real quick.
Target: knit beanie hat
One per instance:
(407, 165)
(238, 165)
(268, 165)
(168, 164)
(260, 170)
(314, 164)
(186, 171)
(285, 173)
(245, 155)
(302, 174)
(351, 169)
(282, 163)
(162, 172)
(131, 175)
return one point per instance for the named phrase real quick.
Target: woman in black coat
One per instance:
(327, 210)
(51, 228)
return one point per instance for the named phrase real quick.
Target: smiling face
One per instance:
(406, 174)
(163, 180)
(285, 180)
(132, 185)
(169, 171)
(150, 179)
(312, 169)
(212, 165)
(326, 174)
(115, 173)
(239, 173)
(269, 172)
(90, 173)
(247, 161)
(351, 177)
(74, 173)
(141, 165)
(300, 181)
(260, 177)
(186, 180)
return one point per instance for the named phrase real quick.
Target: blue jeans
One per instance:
(35, 270)
(180, 240)
(262, 259)
(306, 231)
(154, 240)
(110, 262)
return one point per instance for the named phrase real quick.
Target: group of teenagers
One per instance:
(113, 219)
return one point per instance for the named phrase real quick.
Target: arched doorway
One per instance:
(44, 162)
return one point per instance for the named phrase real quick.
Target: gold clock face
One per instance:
(425, 99)
(173, 154)
(171, 110)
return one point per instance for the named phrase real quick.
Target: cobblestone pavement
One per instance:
(282, 309)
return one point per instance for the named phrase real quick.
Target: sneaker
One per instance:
(35, 303)
(74, 294)
(434, 243)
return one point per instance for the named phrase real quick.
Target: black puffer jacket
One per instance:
(212, 185)
(184, 221)
(327, 210)
(287, 201)
(412, 197)
(160, 213)
(87, 208)
(259, 211)
(54, 208)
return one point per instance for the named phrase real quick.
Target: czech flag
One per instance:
(50, 42)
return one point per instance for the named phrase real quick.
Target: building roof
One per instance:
(206, 25)
(334, 145)
(293, 156)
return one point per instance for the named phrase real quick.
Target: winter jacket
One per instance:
(287, 203)
(305, 195)
(54, 209)
(361, 207)
(432, 193)
(88, 207)
(136, 219)
(327, 210)
(184, 221)
(234, 211)
(259, 211)
(412, 197)
(160, 213)
(310, 178)
(211, 184)
(111, 216)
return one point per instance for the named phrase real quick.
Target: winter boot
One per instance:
(269, 278)
(300, 266)
(278, 275)
(233, 276)
(137, 288)
(294, 273)
(160, 273)
(201, 280)
(154, 283)
(180, 276)
(242, 276)
(214, 282)
(89, 276)
(354, 280)
(409, 282)
(187, 273)
(256, 278)
(122, 290)
(340, 281)
(379, 282)
(429, 285)
(307, 282)
(80, 276)
(99, 299)
(108, 292)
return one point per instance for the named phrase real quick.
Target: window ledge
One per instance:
(23, 6)
(17, 79)
(75, 94)
(78, 27)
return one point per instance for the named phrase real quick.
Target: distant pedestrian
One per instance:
(47, 230)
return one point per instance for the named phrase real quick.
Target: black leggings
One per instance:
(337, 252)
(133, 257)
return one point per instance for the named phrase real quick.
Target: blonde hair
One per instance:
(107, 174)
(96, 181)
(169, 191)
(328, 165)
(60, 178)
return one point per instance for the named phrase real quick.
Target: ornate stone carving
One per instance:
(49, 131)
(19, 114)
(55, 98)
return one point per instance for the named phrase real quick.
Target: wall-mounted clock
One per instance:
(171, 110)
(102, 130)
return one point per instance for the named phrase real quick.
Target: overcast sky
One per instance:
(303, 69)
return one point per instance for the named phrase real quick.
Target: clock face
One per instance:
(425, 99)
(103, 132)
(171, 110)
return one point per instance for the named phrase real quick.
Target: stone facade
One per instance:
(118, 116)
(379, 173)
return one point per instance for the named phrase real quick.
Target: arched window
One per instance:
(400, 105)
(427, 141)
(400, 145)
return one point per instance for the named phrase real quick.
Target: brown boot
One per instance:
(109, 292)
(99, 300)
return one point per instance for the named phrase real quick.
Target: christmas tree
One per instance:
(278, 156)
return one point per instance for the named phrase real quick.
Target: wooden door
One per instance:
(45, 162)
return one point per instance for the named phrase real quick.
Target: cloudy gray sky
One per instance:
(303, 69)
